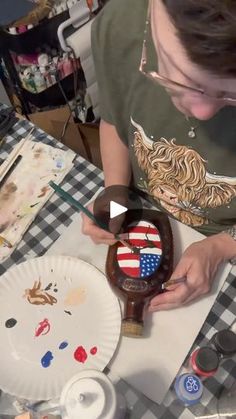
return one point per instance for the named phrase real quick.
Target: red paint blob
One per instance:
(80, 354)
(93, 350)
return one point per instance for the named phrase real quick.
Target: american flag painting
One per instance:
(145, 237)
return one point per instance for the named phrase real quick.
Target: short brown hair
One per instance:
(207, 30)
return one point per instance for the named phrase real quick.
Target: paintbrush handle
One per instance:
(173, 282)
(67, 197)
(6, 165)
(10, 170)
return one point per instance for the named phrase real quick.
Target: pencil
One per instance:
(67, 197)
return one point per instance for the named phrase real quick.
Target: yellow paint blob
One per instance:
(75, 297)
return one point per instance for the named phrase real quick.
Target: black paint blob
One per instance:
(10, 323)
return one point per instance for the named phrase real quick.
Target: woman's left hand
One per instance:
(198, 264)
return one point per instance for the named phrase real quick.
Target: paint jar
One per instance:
(204, 361)
(224, 342)
(188, 388)
(91, 395)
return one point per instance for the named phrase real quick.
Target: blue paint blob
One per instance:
(46, 359)
(59, 163)
(63, 345)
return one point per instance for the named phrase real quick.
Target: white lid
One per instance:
(89, 394)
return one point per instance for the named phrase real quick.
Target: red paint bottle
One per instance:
(205, 361)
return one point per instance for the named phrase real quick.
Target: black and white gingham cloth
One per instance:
(82, 182)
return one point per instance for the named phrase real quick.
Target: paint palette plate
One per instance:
(58, 317)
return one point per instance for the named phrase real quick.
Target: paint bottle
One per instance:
(46, 74)
(224, 342)
(204, 361)
(22, 28)
(188, 388)
(91, 395)
(29, 80)
(60, 68)
(138, 273)
(67, 65)
(54, 74)
(43, 59)
(39, 81)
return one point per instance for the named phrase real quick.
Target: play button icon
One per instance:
(116, 209)
(112, 207)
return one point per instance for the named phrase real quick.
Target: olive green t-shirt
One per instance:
(193, 179)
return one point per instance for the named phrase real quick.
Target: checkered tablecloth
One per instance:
(82, 182)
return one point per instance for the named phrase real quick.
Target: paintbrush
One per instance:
(10, 170)
(7, 164)
(67, 197)
(173, 282)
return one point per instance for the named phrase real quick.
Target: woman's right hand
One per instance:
(97, 234)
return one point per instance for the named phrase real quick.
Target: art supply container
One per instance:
(225, 342)
(204, 361)
(188, 388)
(91, 395)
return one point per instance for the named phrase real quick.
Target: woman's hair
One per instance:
(207, 30)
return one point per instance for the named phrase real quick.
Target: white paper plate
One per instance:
(77, 307)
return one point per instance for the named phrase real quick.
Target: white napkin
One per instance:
(150, 363)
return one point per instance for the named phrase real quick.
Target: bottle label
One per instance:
(135, 286)
(191, 384)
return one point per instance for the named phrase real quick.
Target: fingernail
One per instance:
(124, 236)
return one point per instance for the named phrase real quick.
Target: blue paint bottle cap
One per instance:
(188, 388)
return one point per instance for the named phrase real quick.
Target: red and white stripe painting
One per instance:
(146, 238)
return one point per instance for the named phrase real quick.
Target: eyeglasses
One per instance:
(173, 86)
